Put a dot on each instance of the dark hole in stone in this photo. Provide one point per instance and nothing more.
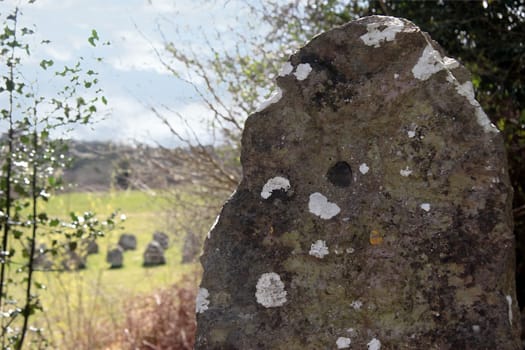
(340, 174)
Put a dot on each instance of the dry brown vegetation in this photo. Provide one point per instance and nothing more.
(162, 320)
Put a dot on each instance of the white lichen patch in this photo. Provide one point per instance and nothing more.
(352, 332)
(202, 302)
(425, 206)
(509, 303)
(320, 206)
(273, 184)
(318, 249)
(429, 63)
(274, 98)
(302, 71)
(375, 36)
(343, 342)
(363, 168)
(411, 134)
(405, 172)
(467, 89)
(357, 304)
(270, 290)
(374, 344)
(450, 63)
(286, 69)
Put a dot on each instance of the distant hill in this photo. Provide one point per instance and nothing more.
(100, 166)
(96, 166)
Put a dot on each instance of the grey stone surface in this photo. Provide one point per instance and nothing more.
(73, 261)
(115, 257)
(191, 248)
(154, 254)
(128, 241)
(162, 238)
(374, 209)
(41, 259)
(90, 246)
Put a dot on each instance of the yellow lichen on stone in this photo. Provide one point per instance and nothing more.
(375, 237)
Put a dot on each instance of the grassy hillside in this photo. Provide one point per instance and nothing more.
(81, 302)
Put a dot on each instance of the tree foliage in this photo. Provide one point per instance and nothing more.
(30, 163)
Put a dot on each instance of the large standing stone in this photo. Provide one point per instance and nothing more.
(374, 210)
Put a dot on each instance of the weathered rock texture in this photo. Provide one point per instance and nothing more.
(115, 257)
(127, 241)
(154, 254)
(374, 210)
(162, 238)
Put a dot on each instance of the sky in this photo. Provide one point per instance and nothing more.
(131, 74)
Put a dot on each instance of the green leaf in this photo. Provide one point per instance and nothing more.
(9, 85)
(42, 216)
(72, 246)
(46, 64)
(40, 285)
(94, 37)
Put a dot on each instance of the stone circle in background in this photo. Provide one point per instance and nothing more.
(154, 254)
(191, 247)
(128, 241)
(90, 246)
(162, 238)
(115, 257)
(374, 210)
(73, 261)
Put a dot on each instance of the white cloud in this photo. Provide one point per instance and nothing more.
(137, 53)
(130, 120)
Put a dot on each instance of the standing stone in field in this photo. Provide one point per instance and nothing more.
(191, 247)
(115, 257)
(374, 210)
(127, 241)
(162, 238)
(41, 259)
(73, 261)
(154, 254)
(90, 246)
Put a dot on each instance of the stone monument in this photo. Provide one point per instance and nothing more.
(374, 210)
(154, 254)
(115, 257)
(162, 238)
(127, 241)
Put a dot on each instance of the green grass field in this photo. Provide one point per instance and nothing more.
(98, 295)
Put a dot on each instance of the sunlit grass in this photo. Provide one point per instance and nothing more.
(96, 295)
